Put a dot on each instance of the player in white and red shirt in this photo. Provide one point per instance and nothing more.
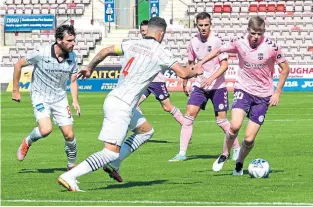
(200, 46)
(158, 87)
(254, 90)
(143, 60)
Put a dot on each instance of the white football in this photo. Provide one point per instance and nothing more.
(259, 168)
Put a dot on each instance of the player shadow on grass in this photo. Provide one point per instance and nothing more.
(158, 141)
(47, 170)
(245, 172)
(132, 184)
(195, 157)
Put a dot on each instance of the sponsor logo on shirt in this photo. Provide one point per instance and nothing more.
(260, 56)
(253, 65)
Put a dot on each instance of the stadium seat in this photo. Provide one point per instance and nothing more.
(35, 2)
(244, 7)
(200, 7)
(45, 9)
(22, 51)
(298, 6)
(28, 9)
(281, 6)
(227, 8)
(209, 7)
(79, 9)
(236, 7)
(13, 51)
(290, 6)
(218, 7)
(307, 6)
(37, 9)
(19, 9)
(11, 9)
(9, 2)
(262, 7)
(253, 7)
(271, 7)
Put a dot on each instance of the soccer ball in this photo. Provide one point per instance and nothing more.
(259, 168)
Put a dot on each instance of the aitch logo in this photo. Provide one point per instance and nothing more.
(24, 85)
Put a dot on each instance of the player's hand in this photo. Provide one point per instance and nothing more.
(274, 99)
(206, 82)
(186, 90)
(16, 96)
(77, 108)
(198, 69)
(84, 73)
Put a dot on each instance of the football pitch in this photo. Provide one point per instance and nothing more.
(285, 141)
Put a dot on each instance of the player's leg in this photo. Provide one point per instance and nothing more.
(256, 117)
(219, 98)
(144, 96)
(62, 116)
(143, 131)
(44, 128)
(117, 116)
(163, 96)
(173, 110)
(197, 100)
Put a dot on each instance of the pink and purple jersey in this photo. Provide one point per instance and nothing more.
(198, 49)
(256, 66)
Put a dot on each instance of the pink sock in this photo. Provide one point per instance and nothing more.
(177, 115)
(225, 125)
(186, 133)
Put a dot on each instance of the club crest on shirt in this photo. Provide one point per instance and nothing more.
(197, 49)
(209, 48)
(260, 56)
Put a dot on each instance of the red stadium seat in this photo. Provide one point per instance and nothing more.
(280, 7)
(310, 48)
(253, 7)
(218, 8)
(227, 8)
(262, 7)
(271, 7)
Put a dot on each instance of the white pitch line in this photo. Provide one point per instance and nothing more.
(163, 202)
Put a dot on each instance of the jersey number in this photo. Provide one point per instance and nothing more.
(127, 66)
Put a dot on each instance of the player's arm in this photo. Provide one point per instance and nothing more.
(114, 50)
(16, 96)
(220, 71)
(279, 58)
(185, 81)
(74, 93)
(185, 72)
(283, 76)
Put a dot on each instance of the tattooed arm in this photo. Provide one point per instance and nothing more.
(85, 72)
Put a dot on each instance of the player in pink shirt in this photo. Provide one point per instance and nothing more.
(201, 45)
(158, 88)
(254, 90)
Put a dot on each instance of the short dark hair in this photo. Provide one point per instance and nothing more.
(144, 22)
(203, 15)
(157, 22)
(63, 29)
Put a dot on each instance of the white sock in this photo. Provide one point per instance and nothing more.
(93, 163)
(183, 153)
(71, 152)
(33, 136)
(132, 143)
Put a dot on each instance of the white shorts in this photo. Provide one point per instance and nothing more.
(118, 118)
(61, 112)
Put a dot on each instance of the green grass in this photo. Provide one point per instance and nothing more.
(285, 140)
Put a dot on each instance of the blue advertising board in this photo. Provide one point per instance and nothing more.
(297, 84)
(95, 85)
(109, 14)
(27, 23)
(154, 8)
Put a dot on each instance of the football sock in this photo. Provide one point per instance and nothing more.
(186, 133)
(71, 152)
(33, 136)
(178, 116)
(130, 145)
(224, 124)
(93, 162)
(244, 150)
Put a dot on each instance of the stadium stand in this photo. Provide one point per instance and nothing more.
(289, 23)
